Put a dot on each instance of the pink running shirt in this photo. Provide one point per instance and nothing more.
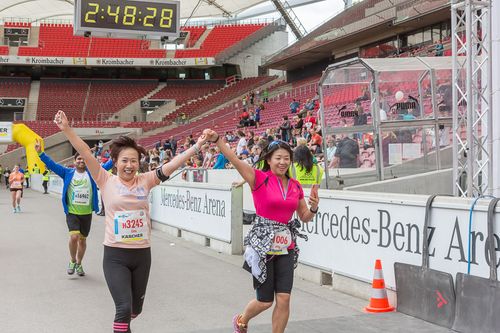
(269, 200)
(119, 197)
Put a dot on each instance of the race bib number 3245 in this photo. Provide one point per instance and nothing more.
(131, 226)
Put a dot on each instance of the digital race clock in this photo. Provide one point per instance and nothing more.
(127, 18)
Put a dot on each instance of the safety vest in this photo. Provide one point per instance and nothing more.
(26, 174)
(45, 177)
(307, 178)
(36, 170)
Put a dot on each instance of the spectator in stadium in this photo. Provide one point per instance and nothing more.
(258, 109)
(315, 142)
(439, 48)
(167, 145)
(309, 121)
(252, 97)
(106, 156)
(285, 129)
(158, 144)
(184, 118)
(6, 175)
(244, 119)
(27, 176)
(250, 139)
(173, 142)
(346, 155)
(100, 145)
(242, 143)
(304, 167)
(409, 115)
(208, 159)
(330, 148)
(265, 96)
(382, 113)
(256, 151)
(298, 123)
(294, 106)
(309, 105)
(251, 118)
(1, 172)
(387, 139)
(220, 160)
(191, 141)
(360, 117)
(365, 96)
(244, 102)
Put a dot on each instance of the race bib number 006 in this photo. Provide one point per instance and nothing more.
(281, 242)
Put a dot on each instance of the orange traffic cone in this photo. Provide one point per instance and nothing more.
(379, 301)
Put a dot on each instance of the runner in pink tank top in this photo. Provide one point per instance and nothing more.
(271, 251)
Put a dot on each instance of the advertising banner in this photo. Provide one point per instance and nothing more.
(352, 230)
(106, 62)
(5, 132)
(205, 210)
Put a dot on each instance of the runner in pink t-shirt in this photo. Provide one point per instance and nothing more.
(127, 255)
(270, 245)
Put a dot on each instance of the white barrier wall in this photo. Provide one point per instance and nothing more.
(352, 229)
(55, 184)
(211, 211)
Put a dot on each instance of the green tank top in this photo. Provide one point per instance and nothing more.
(79, 196)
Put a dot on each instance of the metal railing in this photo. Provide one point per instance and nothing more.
(196, 23)
(211, 23)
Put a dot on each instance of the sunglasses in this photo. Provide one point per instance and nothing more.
(277, 143)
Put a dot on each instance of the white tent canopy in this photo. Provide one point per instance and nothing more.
(38, 10)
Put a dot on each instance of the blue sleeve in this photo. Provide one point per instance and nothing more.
(53, 166)
(108, 165)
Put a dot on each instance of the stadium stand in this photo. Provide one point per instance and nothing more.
(123, 48)
(220, 38)
(105, 97)
(14, 87)
(58, 40)
(222, 96)
(110, 96)
(184, 91)
(17, 25)
(194, 34)
(204, 105)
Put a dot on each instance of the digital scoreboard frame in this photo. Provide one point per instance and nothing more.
(140, 19)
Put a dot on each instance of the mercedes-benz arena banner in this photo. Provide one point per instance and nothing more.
(199, 208)
(5, 132)
(352, 229)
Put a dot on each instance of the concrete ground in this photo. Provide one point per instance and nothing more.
(191, 288)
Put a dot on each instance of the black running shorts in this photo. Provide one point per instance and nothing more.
(279, 277)
(79, 224)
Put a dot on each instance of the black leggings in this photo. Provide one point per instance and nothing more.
(126, 272)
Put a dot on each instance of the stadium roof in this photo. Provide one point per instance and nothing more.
(37, 10)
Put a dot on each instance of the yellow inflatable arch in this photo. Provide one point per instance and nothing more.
(23, 135)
